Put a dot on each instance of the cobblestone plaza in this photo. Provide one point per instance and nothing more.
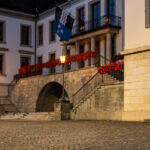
(71, 135)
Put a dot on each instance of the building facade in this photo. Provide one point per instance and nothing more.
(98, 27)
(137, 61)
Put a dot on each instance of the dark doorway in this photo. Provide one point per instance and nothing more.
(49, 95)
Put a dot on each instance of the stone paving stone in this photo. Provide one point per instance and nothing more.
(74, 135)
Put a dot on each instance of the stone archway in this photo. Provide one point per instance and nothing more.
(50, 94)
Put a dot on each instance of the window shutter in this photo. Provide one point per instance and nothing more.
(147, 13)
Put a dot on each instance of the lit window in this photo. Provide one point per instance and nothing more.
(81, 19)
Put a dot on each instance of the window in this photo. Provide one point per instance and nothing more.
(1, 64)
(1, 32)
(25, 35)
(40, 60)
(40, 35)
(147, 13)
(25, 61)
(81, 64)
(96, 15)
(112, 7)
(52, 33)
(81, 19)
(68, 66)
(52, 57)
(113, 46)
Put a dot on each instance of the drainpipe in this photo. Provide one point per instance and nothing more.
(35, 44)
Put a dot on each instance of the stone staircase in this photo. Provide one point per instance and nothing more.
(86, 102)
(47, 116)
(95, 84)
(6, 106)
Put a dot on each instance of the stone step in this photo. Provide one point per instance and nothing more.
(30, 116)
(40, 116)
(11, 116)
(8, 108)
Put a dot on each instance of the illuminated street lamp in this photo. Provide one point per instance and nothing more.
(63, 60)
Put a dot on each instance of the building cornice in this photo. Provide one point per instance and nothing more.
(17, 14)
(136, 50)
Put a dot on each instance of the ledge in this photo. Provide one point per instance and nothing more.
(29, 46)
(3, 75)
(3, 42)
(3, 49)
(136, 50)
(25, 52)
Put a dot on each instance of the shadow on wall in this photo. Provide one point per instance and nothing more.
(48, 96)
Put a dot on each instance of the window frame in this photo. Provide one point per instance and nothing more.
(27, 56)
(52, 34)
(30, 35)
(81, 17)
(3, 31)
(3, 65)
(95, 26)
(40, 44)
(51, 69)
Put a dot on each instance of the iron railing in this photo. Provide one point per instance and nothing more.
(96, 81)
(103, 21)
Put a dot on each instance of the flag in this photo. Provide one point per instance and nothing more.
(63, 24)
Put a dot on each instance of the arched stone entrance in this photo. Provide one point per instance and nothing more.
(49, 95)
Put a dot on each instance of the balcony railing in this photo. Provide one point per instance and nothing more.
(104, 21)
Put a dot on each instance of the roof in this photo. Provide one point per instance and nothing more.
(29, 6)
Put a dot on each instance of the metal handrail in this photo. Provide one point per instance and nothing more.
(98, 79)
(95, 24)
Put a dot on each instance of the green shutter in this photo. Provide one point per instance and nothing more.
(147, 13)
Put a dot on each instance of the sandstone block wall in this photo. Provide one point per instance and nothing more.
(25, 93)
(106, 103)
(137, 86)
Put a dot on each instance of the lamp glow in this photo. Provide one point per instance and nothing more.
(62, 59)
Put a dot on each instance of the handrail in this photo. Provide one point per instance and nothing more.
(85, 26)
(96, 79)
(92, 76)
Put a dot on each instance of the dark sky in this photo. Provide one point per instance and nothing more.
(28, 6)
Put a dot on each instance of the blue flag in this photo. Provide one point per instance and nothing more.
(63, 24)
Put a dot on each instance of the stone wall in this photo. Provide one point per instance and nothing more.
(106, 103)
(137, 85)
(26, 92)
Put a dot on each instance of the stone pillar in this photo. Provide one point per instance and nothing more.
(62, 110)
(102, 51)
(77, 48)
(108, 48)
(87, 49)
(92, 50)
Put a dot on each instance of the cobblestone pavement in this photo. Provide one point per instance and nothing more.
(74, 135)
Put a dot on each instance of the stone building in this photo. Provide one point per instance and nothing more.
(107, 27)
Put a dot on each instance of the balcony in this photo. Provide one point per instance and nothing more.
(99, 23)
